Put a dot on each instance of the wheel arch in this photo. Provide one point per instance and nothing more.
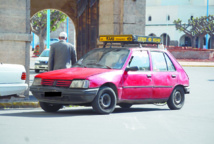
(113, 86)
(180, 85)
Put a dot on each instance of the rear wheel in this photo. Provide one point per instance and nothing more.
(125, 105)
(105, 101)
(177, 98)
(50, 107)
(36, 70)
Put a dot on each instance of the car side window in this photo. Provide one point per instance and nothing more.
(170, 65)
(141, 60)
(158, 61)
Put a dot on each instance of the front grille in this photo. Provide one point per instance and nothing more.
(57, 83)
(47, 82)
(62, 83)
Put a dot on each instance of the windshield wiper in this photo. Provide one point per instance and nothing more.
(99, 65)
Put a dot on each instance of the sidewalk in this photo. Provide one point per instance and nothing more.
(196, 62)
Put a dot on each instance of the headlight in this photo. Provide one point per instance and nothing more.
(37, 81)
(79, 84)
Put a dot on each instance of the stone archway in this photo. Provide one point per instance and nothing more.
(84, 15)
(165, 39)
(66, 6)
(185, 41)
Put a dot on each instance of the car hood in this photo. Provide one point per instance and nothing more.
(72, 73)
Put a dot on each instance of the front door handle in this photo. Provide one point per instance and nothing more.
(149, 75)
(173, 76)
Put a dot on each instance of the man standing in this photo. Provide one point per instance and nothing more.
(62, 54)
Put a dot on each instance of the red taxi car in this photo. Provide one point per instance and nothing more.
(106, 77)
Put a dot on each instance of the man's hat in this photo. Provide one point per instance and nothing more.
(63, 34)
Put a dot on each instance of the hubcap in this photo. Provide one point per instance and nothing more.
(105, 100)
(178, 97)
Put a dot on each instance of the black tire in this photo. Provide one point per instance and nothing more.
(105, 101)
(177, 98)
(50, 107)
(125, 105)
(36, 70)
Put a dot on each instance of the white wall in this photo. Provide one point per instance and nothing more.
(176, 9)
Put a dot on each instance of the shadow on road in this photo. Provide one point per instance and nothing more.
(132, 110)
(76, 112)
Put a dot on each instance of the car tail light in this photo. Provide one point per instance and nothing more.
(23, 77)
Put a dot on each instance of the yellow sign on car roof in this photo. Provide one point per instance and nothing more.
(130, 39)
(117, 38)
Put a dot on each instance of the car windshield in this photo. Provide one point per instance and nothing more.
(110, 58)
(45, 53)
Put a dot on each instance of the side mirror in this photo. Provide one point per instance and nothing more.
(133, 68)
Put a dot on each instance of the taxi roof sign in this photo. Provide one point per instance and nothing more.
(116, 38)
(130, 39)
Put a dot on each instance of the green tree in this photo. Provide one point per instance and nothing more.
(208, 24)
(190, 29)
(39, 24)
(197, 27)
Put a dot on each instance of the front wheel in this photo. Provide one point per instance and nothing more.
(50, 107)
(177, 98)
(105, 101)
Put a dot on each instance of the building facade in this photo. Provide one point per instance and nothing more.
(160, 15)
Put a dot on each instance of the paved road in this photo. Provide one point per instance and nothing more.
(142, 124)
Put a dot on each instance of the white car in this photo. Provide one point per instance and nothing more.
(42, 61)
(12, 79)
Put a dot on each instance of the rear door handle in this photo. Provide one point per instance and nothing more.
(173, 76)
(149, 75)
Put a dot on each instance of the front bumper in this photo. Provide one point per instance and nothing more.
(68, 95)
(10, 89)
(41, 67)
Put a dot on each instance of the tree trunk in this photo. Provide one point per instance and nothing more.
(193, 39)
(201, 40)
(41, 44)
(211, 41)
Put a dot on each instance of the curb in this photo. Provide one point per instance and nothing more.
(13, 102)
(19, 105)
(183, 65)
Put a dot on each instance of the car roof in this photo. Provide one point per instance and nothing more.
(137, 48)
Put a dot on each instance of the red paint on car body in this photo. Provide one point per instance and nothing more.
(131, 85)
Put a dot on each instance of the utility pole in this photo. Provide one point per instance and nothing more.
(207, 20)
(48, 29)
(67, 27)
(33, 42)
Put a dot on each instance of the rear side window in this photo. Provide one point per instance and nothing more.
(170, 66)
(141, 60)
(158, 61)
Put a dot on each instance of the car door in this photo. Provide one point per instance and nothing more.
(164, 75)
(138, 84)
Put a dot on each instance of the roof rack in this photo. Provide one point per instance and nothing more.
(129, 39)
